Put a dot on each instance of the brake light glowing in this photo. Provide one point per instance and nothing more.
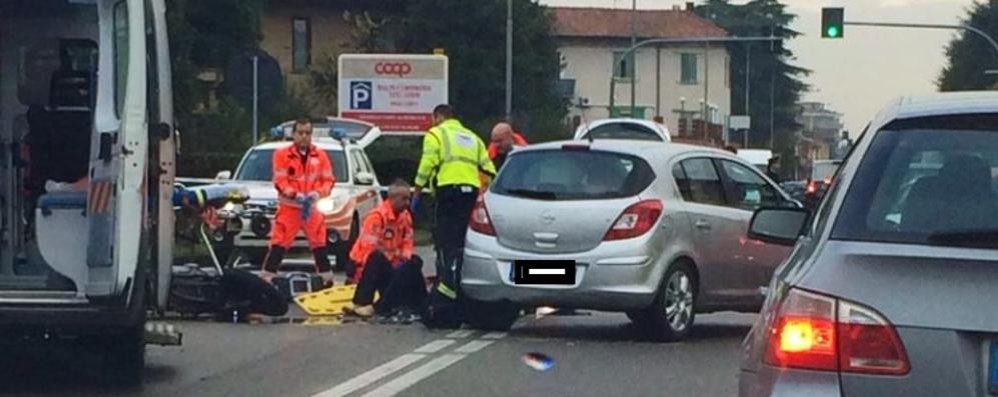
(480, 220)
(804, 334)
(636, 220)
(818, 332)
(812, 187)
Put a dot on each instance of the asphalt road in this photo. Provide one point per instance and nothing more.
(594, 354)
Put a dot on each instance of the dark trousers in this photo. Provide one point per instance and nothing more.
(399, 287)
(453, 212)
(272, 262)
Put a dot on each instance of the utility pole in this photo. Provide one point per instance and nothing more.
(706, 86)
(509, 60)
(658, 81)
(634, 40)
(748, 85)
(256, 99)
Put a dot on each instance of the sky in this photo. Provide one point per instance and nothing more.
(860, 73)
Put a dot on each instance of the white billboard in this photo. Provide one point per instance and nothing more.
(397, 92)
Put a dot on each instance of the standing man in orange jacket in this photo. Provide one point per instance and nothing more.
(302, 175)
(383, 255)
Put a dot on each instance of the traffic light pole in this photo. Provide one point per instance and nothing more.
(967, 28)
(704, 40)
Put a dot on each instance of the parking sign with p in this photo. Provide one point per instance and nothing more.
(360, 95)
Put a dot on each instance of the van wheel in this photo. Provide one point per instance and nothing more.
(491, 316)
(670, 318)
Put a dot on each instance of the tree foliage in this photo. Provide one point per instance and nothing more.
(773, 79)
(970, 55)
(474, 38)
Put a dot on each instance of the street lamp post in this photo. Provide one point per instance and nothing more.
(509, 59)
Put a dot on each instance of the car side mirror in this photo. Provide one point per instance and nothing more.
(782, 226)
(364, 178)
(224, 175)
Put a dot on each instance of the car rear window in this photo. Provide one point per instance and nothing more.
(573, 175)
(623, 131)
(932, 181)
(258, 165)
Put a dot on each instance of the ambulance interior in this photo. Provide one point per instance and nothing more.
(48, 69)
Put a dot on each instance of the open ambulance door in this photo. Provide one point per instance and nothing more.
(164, 133)
(116, 202)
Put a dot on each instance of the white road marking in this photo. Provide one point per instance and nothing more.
(435, 346)
(494, 335)
(416, 375)
(371, 376)
(474, 346)
(559, 272)
(464, 333)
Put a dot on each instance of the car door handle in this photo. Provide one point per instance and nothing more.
(702, 224)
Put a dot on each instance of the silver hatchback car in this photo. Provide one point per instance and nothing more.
(656, 230)
(892, 288)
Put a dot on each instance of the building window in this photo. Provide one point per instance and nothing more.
(301, 44)
(624, 66)
(727, 72)
(688, 69)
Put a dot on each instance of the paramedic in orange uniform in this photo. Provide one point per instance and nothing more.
(385, 261)
(302, 175)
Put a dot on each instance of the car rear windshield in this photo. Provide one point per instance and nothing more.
(623, 131)
(573, 175)
(927, 181)
(258, 165)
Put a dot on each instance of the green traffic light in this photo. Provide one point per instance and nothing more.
(833, 31)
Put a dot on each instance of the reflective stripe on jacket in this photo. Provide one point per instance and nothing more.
(384, 231)
(453, 155)
(294, 173)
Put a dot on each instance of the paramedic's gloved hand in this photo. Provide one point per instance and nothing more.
(306, 205)
(414, 205)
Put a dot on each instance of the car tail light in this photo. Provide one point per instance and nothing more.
(636, 220)
(869, 343)
(828, 181)
(817, 332)
(812, 187)
(480, 220)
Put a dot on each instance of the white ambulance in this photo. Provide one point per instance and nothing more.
(88, 147)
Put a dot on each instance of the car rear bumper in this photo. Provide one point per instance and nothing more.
(613, 277)
(777, 382)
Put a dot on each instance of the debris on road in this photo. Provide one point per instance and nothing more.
(538, 361)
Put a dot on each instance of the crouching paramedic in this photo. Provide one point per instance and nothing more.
(384, 258)
(302, 175)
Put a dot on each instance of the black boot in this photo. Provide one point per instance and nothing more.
(322, 265)
(272, 263)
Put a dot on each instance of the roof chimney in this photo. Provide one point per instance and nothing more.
(689, 6)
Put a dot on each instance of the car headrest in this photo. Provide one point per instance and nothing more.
(966, 174)
(71, 89)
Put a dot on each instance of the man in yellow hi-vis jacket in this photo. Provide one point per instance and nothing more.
(452, 161)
